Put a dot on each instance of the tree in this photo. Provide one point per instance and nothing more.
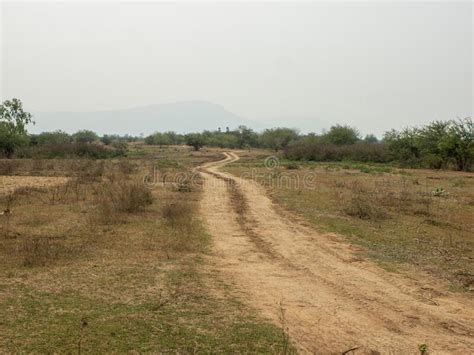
(437, 145)
(106, 139)
(120, 146)
(428, 142)
(278, 138)
(167, 138)
(195, 140)
(403, 146)
(173, 137)
(56, 137)
(370, 138)
(13, 122)
(150, 140)
(227, 141)
(342, 135)
(458, 143)
(85, 136)
(247, 137)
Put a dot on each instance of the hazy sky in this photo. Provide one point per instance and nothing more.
(372, 65)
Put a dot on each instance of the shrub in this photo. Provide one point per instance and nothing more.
(277, 138)
(317, 151)
(437, 145)
(66, 150)
(119, 146)
(177, 213)
(8, 167)
(56, 137)
(362, 204)
(120, 197)
(341, 135)
(129, 197)
(185, 233)
(195, 140)
(40, 251)
(13, 122)
(85, 136)
(439, 192)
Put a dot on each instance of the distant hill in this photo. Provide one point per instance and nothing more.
(182, 117)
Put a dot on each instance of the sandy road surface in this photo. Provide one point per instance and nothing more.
(333, 300)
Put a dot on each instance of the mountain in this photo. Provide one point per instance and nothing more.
(181, 117)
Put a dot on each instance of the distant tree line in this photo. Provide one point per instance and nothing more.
(438, 145)
(83, 143)
(240, 138)
(16, 142)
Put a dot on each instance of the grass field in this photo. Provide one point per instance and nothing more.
(98, 263)
(419, 219)
(112, 255)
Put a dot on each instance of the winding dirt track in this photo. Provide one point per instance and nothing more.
(333, 301)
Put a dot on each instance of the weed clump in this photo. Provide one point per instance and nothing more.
(184, 231)
(113, 198)
(362, 204)
(177, 213)
(38, 251)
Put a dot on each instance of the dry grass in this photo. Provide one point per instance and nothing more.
(138, 284)
(42, 251)
(361, 202)
(112, 198)
(177, 212)
(8, 184)
(398, 216)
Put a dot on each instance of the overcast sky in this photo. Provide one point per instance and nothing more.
(372, 65)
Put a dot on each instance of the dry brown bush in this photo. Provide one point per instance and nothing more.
(39, 251)
(177, 212)
(34, 251)
(89, 170)
(116, 197)
(362, 203)
(8, 167)
(184, 232)
(126, 167)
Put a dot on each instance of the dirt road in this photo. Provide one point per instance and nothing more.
(332, 300)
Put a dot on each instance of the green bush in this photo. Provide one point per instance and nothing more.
(448, 144)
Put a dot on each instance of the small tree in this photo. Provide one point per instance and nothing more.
(370, 138)
(278, 138)
(342, 135)
(52, 138)
(162, 139)
(173, 137)
(106, 139)
(403, 146)
(13, 122)
(458, 143)
(195, 140)
(247, 137)
(150, 140)
(85, 136)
